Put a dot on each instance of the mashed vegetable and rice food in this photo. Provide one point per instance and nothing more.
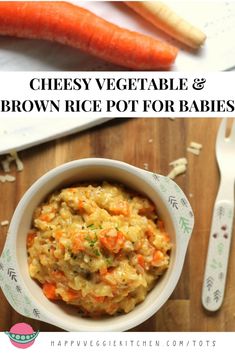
(100, 247)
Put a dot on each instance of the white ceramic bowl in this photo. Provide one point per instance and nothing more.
(25, 295)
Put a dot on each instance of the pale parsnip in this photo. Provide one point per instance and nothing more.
(164, 18)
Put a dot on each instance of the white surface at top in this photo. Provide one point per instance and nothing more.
(215, 19)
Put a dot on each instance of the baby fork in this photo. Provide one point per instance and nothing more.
(222, 222)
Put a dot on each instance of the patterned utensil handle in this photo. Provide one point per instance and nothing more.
(218, 255)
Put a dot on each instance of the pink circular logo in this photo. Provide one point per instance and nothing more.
(22, 335)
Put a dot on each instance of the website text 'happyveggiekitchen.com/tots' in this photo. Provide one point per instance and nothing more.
(135, 343)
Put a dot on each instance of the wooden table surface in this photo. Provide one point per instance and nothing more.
(154, 142)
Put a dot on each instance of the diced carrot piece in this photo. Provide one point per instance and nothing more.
(78, 243)
(141, 260)
(112, 243)
(80, 205)
(30, 239)
(49, 290)
(45, 217)
(62, 247)
(166, 237)
(103, 271)
(149, 233)
(72, 295)
(58, 234)
(157, 257)
(98, 299)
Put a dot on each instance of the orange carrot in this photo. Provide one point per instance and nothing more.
(103, 271)
(62, 247)
(58, 234)
(157, 257)
(46, 217)
(113, 243)
(166, 237)
(30, 238)
(49, 290)
(140, 260)
(149, 233)
(78, 243)
(71, 25)
(80, 205)
(72, 295)
(105, 277)
(98, 299)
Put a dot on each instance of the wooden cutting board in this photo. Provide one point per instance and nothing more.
(151, 143)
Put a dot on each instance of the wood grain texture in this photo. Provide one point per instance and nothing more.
(153, 143)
